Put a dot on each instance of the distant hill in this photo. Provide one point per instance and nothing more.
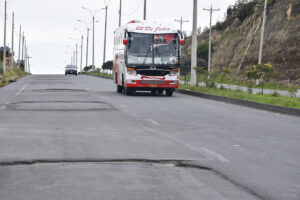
(231, 38)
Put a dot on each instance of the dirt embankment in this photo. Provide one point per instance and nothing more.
(281, 44)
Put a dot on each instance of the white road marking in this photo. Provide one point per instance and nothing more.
(123, 106)
(3, 107)
(213, 155)
(22, 89)
(153, 122)
(209, 154)
(236, 145)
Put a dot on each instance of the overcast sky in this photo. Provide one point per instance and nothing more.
(49, 23)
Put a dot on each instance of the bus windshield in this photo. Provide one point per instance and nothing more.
(149, 49)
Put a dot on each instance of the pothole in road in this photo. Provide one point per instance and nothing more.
(60, 90)
(179, 174)
(60, 106)
(50, 82)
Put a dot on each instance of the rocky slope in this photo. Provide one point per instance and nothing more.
(281, 44)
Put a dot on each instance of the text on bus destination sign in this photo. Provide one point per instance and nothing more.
(152, 29)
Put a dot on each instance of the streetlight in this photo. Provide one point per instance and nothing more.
(87, 41)
(93, 13)
(81, 47)
(76, 49)
(105, 30)
(72, 58)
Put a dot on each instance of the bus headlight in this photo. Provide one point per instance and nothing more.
(173, 73)
(131, 71)
(131, 81)
(173, 82)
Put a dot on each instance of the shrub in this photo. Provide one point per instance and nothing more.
(271, 2)
(292, 89)
(2, 80)
(200, 70)
(1, 71)
(275, 94)
(202, 50)
(242, 9)
(18, 71)
(261, 72)
(220, 26)
(210, 81)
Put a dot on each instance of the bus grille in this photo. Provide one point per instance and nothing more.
(153, 82)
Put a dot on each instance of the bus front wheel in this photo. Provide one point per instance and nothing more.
(127, 91)
(169, 93)
(119, 89)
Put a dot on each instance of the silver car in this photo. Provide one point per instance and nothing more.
(70, 69)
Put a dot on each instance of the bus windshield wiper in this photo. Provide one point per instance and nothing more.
(148, 51)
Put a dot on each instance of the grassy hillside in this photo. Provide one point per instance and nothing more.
(232, 36)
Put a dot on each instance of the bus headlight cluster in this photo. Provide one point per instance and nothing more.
(173, 82)
(131, 81)
(131, 72)
(173, 73)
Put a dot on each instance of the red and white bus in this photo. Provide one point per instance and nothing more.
(147, 58)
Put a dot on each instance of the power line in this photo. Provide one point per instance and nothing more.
(134, 10)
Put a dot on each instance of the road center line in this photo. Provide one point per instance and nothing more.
(213, 154)
(153, 122)
(209, 154)
(123, 106)
(22, 89)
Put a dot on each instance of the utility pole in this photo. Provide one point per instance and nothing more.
(120, 13)
(145, 9)
(23, 41)
(262, 34)
(81, 47)
(19, 56)
(76, 54)
(181, 21)
(12, 42)
(87, 47)
(29, 70)
(4, 46)
(93, 53)
(74, 57)
(25, 57)
(194, 45)
(105, 30)
(211, 10)
(93, 13)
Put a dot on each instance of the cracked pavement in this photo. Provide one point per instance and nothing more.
(76, 138)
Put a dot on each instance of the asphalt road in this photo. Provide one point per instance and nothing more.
(76, 138)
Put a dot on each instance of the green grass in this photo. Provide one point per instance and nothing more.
(234, 81)
(99, 74)
(10, 76)
(290, 102)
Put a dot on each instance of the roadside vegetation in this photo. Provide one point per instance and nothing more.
(273, 99)
(98, 73)
(10, 76)
(261, 72)
(231, 77)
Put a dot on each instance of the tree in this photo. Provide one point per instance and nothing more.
(262, 72)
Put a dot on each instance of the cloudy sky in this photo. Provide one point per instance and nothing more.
(48, 24)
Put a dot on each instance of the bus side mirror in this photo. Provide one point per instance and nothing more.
(182, 42)
(125, 41)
